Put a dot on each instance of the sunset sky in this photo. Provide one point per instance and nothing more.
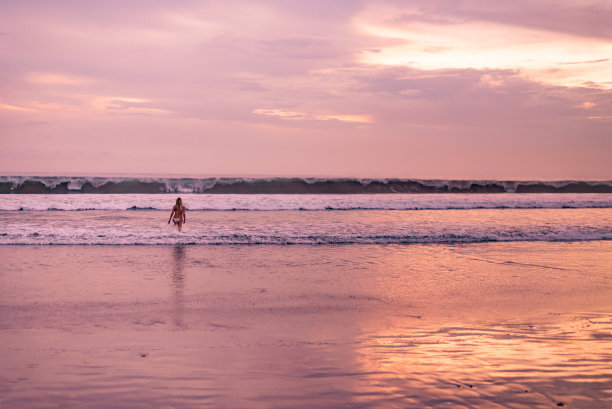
(425, 89)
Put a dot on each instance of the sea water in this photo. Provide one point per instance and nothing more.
(304, 219)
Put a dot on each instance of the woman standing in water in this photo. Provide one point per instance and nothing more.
(178, 214)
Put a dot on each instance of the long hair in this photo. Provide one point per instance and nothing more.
(179, 202)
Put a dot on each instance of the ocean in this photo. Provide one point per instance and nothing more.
(428, 300)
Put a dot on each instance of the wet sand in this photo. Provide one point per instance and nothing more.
(492, 325)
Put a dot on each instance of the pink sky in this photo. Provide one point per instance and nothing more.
(434, 89)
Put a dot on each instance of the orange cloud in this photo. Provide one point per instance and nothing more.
(57, 79)
(129, 105)
(352, 118)
(16, 108)
(540, 55)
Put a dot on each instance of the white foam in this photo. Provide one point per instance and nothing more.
(209, 202)
(118, 227)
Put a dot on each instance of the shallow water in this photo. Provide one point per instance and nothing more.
(306, 227)
(481, 325)
(113, 219)
(233, 202)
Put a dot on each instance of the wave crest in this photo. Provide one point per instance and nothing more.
(101, 185)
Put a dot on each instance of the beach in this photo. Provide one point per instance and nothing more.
(479, 325)
(306, 204)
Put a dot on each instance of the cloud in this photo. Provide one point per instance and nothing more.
(461, 42)
(126, 105)
(9, 107)
(601, 60)
(301, 116)
(56, 79)
(583, 18)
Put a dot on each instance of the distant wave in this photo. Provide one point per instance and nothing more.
(108, 185)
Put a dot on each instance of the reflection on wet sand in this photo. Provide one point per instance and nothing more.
(178, 284)
(518, 365)
(521, 325)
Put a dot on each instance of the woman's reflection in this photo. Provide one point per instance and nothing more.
(178, 284)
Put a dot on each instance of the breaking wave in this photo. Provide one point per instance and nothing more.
(123, 185)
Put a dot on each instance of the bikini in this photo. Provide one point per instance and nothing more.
(177, 219)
